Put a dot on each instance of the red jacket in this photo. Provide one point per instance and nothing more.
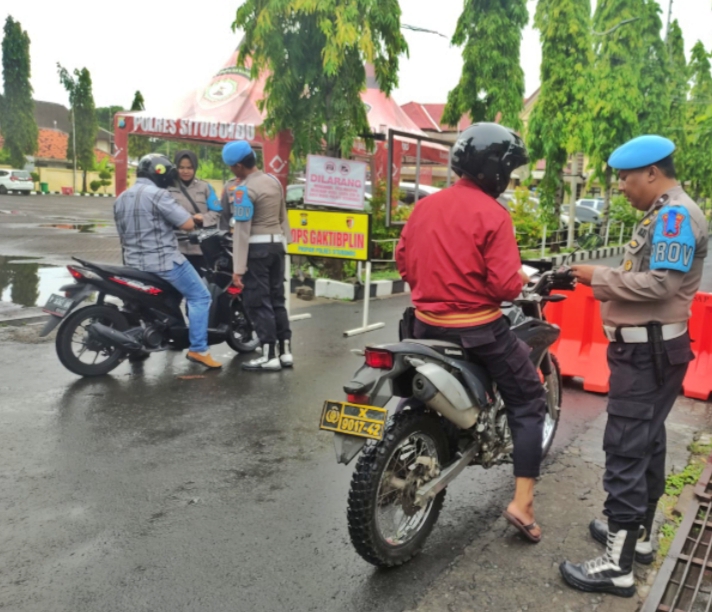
(459, 255)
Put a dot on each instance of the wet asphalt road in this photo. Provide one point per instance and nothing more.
(145, 491)
(142, 491)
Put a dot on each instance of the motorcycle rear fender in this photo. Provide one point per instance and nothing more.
(539, 335)
(347, 447)
(80, 292)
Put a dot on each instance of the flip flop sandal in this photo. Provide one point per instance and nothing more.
(525, 530)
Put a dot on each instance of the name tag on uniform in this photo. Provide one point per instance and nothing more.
(242, 207)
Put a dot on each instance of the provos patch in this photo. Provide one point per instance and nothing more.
(239, 197)
(673, 240)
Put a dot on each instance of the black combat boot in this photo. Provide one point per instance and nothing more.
(644, 553)
(268, 362)
(611, 573)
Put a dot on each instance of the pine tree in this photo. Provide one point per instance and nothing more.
(83, 112)
(17, 118)
(138, 145)
(557, 123)
(699, 124)
(492, 79)
(678, 85)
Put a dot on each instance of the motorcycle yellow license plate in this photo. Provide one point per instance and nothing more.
(353, 419)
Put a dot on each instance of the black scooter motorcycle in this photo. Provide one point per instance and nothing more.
(95, 339)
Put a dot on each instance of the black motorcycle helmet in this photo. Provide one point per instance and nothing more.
(158, 169)
(486, 153)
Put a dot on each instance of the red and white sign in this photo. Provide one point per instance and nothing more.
(340, 183)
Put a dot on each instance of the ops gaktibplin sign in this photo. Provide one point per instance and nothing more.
(340, 183)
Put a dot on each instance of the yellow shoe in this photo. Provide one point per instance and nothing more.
(205, 360)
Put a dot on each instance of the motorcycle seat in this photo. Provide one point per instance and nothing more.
(434, 343)
(133, 273)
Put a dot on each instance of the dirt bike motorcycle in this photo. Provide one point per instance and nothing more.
(419, 412)
(95, 339)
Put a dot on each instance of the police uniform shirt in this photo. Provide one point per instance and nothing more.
(662, 267)
(258, 207)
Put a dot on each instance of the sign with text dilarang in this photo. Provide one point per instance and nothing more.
(338, 183)
(338, 235)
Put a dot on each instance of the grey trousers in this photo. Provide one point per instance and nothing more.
(634, 439)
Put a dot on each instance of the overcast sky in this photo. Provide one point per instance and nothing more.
(166, 53)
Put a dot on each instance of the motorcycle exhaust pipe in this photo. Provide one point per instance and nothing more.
(441, 391)
(113, 337)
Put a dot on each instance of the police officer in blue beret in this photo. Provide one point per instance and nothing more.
(256, 202)
(645, 307)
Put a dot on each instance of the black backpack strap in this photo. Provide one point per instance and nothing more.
(187, 195)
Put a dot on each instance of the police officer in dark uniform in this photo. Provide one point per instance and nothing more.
(645, 307)
(256, 201)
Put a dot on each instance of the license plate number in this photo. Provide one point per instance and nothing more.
(353, 419)
(58, 305)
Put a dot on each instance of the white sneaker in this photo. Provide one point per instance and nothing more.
(285, 357)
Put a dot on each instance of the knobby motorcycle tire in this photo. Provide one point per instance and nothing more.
(237, 314)
(63, 344)
(364, 489)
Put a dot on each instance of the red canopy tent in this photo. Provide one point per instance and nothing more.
(226, 109)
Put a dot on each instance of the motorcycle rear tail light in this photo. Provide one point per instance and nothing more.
(379, 359)
(233, 291)
(357, 398)
(134, 284)
(75, 273)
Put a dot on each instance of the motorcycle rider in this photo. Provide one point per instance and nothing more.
(459, 255)
(146, 218)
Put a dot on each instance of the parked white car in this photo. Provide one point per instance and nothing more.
(18, 181)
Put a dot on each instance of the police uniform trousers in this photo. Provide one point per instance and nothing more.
(506, 358)
(634, 439)
(263, 295)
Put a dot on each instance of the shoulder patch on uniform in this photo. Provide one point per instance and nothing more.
(242, 207)
(213, 200)
(673, 240)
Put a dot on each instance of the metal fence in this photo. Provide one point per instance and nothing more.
(551, 243)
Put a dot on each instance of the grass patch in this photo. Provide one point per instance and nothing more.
(675, 483)
(385, 275)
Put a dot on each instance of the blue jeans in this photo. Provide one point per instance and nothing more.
(184, 278)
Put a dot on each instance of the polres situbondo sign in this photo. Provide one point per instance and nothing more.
(340, 183)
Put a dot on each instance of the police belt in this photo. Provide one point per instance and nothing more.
(639, 335)
(266, 238)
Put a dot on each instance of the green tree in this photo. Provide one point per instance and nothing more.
(655, 74)
(492, 79)
(25, 288)
(679, 86)
(17, 109)
(699, 124)
(557, 123)
(105, 116)
(83, 113)
(313, 53)
(138, 145)
(615, 98)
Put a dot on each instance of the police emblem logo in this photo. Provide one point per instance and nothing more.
(350, 222)
(672, 222)
(628, 266)
(303, 218)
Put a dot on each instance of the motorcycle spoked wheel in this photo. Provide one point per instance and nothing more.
(385, 525)
(79, 353)
(552, 385)
(241, 329)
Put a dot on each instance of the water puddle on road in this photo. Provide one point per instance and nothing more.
(26, 282)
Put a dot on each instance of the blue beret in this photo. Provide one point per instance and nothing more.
(640, 152)
(234, 152)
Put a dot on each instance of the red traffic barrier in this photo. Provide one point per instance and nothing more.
(698, 381)
(581, 347)
(67, 190)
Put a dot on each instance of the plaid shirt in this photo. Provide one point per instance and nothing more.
(146, 218)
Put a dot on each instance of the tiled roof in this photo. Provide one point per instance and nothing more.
(52, 144)
(429, 117)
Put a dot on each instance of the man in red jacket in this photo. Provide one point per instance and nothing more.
(459, 255)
